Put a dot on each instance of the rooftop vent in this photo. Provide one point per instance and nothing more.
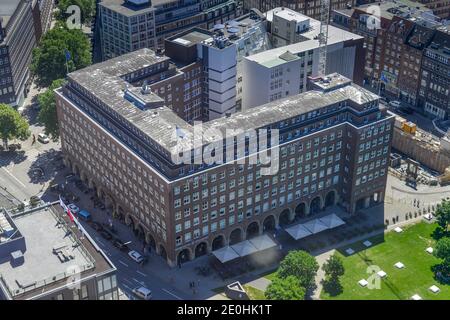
(138, 2)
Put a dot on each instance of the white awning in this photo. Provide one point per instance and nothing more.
(263, 242)
(298, 232)
(225, 254)
(332, 221)
(244, 248)
(315, 226)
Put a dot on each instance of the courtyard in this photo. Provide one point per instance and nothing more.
(414, 278)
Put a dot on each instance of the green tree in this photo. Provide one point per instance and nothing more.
(47, 114)
(334, 268)
(12, 125)
(442, 214)
(301, 265)
(443, 252)
(443, 249)
(285, 289)
(49, 58)
(87, 8)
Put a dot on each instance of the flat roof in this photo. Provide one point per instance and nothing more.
(127, 9)
(290, 15)
(42, 233)
(335, 35)
(160, 124)
(7, 9)
(192, 37)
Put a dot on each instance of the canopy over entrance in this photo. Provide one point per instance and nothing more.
(298, 231)
(315, 226)
(332, 221)
(262, 242)
(244, 248)
(225, 254)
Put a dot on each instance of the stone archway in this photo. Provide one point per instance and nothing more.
(139, 232)
(330, 199)
(285, 217)
(235, 236)
(184, 256)
(316, 205)
(150, 240)
(76, 170)
(162, 252)
(301, 210)
(269, 223)
(252, 230)
(129, 221)
(120, 213)
(218, 242)
(201, 249)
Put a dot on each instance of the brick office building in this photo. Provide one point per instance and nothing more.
(334, 149)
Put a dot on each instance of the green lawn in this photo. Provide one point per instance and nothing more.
(254, 294)
(407, 247)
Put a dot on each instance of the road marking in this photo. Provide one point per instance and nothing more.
(128, 281)
(141, 273)
(173, 295)
(120, 261)
(126, 286)
(14, 177)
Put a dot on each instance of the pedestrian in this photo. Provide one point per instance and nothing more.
(198, 282)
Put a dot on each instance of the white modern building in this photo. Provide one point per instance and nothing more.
(275, 73)
(219, 61)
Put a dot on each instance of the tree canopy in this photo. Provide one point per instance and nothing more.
(87, 8)
(333, 267)
(301, 265)
(47, 113)
(12, 125)
(49, 58)
(285, 289)
(443, 215)
(443, 249)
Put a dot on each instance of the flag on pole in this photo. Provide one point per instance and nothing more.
(62, 204)
(70, 215)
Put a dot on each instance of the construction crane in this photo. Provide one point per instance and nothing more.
(323, 36)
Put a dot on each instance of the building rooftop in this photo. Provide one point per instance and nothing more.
(7, 9)
(127, 8)
(335, 35)
(44, 230)
(161, 124)
(287, 14)
(407, 9)
(192, 37)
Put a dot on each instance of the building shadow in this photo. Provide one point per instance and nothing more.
(46, 166)
(12, 157)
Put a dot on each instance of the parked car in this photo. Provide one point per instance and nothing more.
(43, 138)
(142, 292)
(73, 208)
(394, 104)
(106, 235)
(84, 215)
(406, 110)
(136, 256)
(120, 245)
(96, 226)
